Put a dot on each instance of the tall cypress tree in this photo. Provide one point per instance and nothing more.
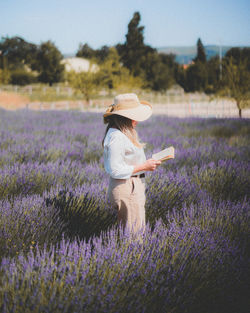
(133, 49)
(143, 60)
(201, 54)
(197, 76)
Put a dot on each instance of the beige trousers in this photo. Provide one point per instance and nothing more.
(127, 196)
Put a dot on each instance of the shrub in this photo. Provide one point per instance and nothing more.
(22, 78)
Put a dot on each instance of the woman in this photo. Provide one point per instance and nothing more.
(125, 161)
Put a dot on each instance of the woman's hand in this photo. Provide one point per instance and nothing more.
(151, 164)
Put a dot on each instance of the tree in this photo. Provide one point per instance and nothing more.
(102, 54)
(111, 69)
(115, 76)
(85, 51)
(159, 73)
(237, 82)
(17, 57)
(16, 53)
(239, 55)
(196, 75)
(201, 54)
(213, 75)
(144, 61)
(165, 76)
(98, 56)
(88, 83)
(133, 50)
(48, 63)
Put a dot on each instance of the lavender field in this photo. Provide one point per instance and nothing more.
(61, 249)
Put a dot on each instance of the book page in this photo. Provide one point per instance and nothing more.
(165, 154)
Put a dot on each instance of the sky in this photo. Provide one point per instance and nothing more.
(167, 23)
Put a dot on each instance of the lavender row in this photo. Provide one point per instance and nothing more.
(58, 200)
(180, 268)
(49, 136)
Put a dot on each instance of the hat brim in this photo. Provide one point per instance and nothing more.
(139, 114)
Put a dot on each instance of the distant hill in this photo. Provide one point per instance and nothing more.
(69, 55)
(184, 55)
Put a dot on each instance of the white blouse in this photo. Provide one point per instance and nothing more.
(120, 155)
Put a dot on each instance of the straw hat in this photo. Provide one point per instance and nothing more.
(128, 105)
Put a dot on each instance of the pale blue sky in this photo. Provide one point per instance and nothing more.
(98, 23)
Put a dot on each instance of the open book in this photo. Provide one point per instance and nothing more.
(164, 155)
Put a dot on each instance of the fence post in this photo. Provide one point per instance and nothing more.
(69, 91)
(80, 105)
(190, 108)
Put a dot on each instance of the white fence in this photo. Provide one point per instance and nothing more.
(215, 109)
(174, 103)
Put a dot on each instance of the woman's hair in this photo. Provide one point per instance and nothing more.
(124, 124)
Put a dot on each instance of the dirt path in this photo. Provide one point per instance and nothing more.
(12, 101)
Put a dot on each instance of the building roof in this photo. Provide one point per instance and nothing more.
(79, 65)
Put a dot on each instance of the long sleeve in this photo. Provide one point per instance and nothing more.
(114, 158)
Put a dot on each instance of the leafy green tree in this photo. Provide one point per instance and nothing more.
(196, 77)
(16, 53)
(239, 55)
(17, 57)
(166, 73)
(213, 75)
(245, 55)
(48, 63)
(85, 51)
(111, 69)
(236, 77)
(236, 82)
(159, 71)
(115, 76)
(102, 54)
(88, 83)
